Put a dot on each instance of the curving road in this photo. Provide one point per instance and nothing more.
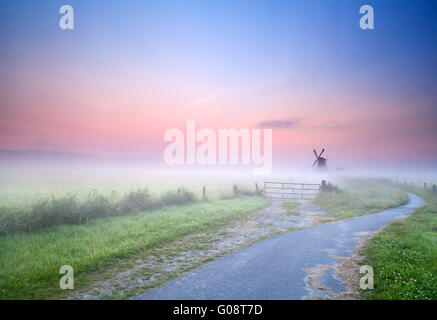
(275, 268)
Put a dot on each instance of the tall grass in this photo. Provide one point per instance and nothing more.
(29, 263)
(358, 197)
(70, 210)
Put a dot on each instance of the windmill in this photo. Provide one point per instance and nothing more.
(320, 161)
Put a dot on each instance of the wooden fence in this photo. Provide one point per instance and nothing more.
(427, 186)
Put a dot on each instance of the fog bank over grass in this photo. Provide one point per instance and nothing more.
(26, 175)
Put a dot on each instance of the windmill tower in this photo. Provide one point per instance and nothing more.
(320, 161)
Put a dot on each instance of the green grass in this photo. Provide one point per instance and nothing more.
(290, 206)
(29, 263)
(23, 186)
(359, 197)
(68, 209)
(404, 256)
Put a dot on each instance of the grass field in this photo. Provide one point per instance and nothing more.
(358, 197)
(404, 255)
(29, 263)
(32, 253)
(20, 187)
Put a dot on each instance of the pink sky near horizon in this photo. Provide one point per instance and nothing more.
(115, 117)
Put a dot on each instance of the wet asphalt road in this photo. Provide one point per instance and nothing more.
(275, 268)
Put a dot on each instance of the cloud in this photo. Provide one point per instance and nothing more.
(278, 124)
(330, 125)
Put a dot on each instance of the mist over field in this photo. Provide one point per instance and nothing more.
(27, 175)
(47, 197)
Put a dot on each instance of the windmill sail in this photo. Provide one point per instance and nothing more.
(320, 161)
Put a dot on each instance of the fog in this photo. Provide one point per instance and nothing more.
(26, 175)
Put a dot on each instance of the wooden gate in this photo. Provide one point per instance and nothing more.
(289, 190)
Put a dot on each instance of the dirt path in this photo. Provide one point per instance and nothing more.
(303, 264)
(159, 265)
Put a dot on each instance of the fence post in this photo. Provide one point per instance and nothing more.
(204, 193)
(235, 189)
(434, 189)
(323, 184)
(424, 185)
(256, 187)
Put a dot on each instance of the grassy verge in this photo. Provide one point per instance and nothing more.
(290, 206)
(69, 209)
(359, 197)
(30, 263)
(404, 256)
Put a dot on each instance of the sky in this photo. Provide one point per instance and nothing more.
(130, 70)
